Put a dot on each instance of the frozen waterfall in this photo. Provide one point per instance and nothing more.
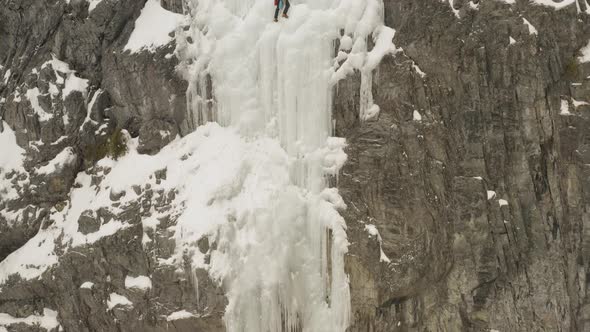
(279, 239)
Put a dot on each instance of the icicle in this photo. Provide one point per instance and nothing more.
(195, 281)
(366, 101)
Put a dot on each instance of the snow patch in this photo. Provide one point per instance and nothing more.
(491, 194)
(116, 300)
(65, 158)
(93, 100)
(578, 103)
(416, 116)
(11, 159)
(564, 108)
(555, 4)
(372, 230)
(503, 202)
(12, 155)
(57, 65)
(139, 282)
(452, 5)
(32, 259)
(74, 83)
(371, 113)
(32, 96)
(53, 90)
(92, 5)
(152, 28)
(7, 76)
(48, 320)
(418, 70)
(532, 29)
(87, 285)
(182, 314)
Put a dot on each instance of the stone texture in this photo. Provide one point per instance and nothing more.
(144, 87)
(154, 135)
(490, 122)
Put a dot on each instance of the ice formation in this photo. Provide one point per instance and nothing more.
(280, 241)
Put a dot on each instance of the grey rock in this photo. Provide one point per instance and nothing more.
(116, 195)
(144, 86)
(172, 5)
(154, 135)
(88, 223)
(490, 122)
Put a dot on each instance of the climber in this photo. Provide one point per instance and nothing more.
(279, 4)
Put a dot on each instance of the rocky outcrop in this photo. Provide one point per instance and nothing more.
(144, 87)
(89, 279)
(154, 135)
(79, 104)
(474, 174)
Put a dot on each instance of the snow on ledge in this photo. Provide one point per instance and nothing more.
(578, 103)
(75, 83)
(491, 194)
(87, 285)
(152, 28)
(371, 113)
(418, 70)
(12, 155)
(118, 300)
(554, 4)
(64, 158)
(92, 5)
(139, 282)
(32, 259)
(565, 108)
(72, 82)
(32, 96)
(416, 116)
(373, 231)
(532, 29)
(182, 314)
(47, 321)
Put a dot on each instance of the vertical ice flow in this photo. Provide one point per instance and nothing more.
(280, 252)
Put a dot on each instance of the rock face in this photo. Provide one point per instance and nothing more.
(474, 174)
(467, 195)
(79, 104)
